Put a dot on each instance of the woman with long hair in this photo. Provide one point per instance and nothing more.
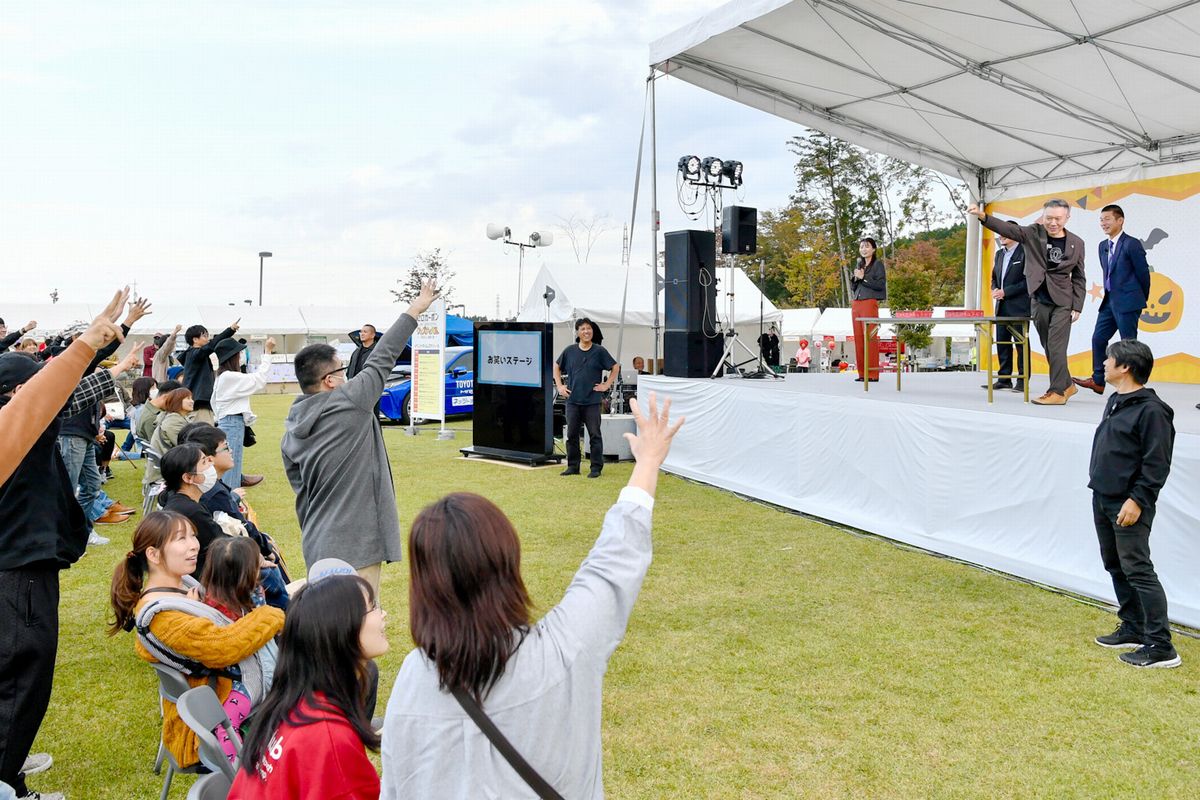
(478, 646)
(868, 287)
(231, 395)
(152, 594)
(309, 736)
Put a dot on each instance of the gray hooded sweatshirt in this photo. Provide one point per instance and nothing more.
(335, 459)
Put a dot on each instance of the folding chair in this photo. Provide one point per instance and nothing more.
(215, 786)
(171, 685)
(201, 710)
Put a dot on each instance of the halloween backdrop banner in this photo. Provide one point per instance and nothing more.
(1163, 213)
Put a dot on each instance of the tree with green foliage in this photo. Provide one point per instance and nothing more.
(910, 288)
(802, 266)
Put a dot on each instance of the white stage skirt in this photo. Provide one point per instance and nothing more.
(1002, 486)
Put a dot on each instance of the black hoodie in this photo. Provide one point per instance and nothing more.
(1131, 451)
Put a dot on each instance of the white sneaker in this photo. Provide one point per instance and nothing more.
(37, 762)
(96, 538)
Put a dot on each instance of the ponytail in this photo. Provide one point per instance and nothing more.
(129, 578)
(127, 581)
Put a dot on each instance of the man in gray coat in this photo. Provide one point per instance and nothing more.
(334, 455)
(1054, 278)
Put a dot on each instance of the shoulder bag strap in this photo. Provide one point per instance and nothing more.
(527, 773)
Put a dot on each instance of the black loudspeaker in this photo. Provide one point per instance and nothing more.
(739, 230)
(690, 355)
(690, 286)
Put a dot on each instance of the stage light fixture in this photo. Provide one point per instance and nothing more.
(712, 166)
(690, 166)
(541, 238)
(733, 171)
(495, 231)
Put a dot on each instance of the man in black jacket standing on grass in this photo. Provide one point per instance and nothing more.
(199, 373)
(1131, 458)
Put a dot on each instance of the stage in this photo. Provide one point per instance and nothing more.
(934, 465)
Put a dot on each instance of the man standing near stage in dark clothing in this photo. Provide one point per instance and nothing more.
(364, 342)
(584, 364)
(1054, 276)
(1131, 458)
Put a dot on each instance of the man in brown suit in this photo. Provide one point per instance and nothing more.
(1054, 277)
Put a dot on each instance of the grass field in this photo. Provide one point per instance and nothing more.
(769, 656)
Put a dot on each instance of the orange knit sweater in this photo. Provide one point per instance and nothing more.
(213, 645)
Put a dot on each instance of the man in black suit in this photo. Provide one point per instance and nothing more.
(1126, 288)
(1011, 294)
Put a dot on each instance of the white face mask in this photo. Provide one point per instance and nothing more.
(210, 479)
(153, 392)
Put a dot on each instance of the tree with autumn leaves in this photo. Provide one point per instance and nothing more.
(844, 193)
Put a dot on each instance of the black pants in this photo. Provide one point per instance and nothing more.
(1004, 353)
(104, 452)
(28, 644)
(1142, 603)
(577, 417)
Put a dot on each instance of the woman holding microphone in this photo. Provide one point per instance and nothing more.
(868, 286)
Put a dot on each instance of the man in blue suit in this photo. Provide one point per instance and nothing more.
(1011, 294)
(1126, 287)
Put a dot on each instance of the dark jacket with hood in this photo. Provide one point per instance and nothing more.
(1131, 451)
(199, 374)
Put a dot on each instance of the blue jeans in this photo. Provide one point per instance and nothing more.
(79, 456)
(234, 426)
(100, 505)
(273, 587)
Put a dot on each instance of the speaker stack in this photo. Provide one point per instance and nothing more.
(739, 230)
(692, 343)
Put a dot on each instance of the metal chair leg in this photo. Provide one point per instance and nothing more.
(166, 790)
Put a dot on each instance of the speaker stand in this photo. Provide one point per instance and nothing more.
(727, 364)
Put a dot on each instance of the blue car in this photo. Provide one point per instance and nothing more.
(395, 401)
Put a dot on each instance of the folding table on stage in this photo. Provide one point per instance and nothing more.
(983, 325)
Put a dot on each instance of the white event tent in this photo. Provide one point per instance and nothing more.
(1015, 99)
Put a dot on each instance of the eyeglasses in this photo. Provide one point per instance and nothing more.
(224, 449)
(335, 372)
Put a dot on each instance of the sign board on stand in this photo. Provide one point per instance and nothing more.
(427, 398)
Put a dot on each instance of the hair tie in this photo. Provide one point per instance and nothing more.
(131, 556)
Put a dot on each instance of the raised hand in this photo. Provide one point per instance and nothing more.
(652, 441)
(103, 328)
(137, 310)
(270, 344)
(237, 323)
(421, 302)
(974, 209)
(29, 326)
(132, 359)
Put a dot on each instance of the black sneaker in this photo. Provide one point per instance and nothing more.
(1019, 386)
(595, 473)
(1123, 637)
(1148, 657)
(998, 385)
(569, 471)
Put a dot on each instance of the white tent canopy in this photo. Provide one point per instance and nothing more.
(340, 320)
(999, 93)
(798, 323)
(836, 322)
(586, 290)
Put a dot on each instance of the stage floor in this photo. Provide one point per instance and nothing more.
(963, 390)
(1001, 485)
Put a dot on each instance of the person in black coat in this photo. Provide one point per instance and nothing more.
(1011, 294)
(1131, 459)
(364, 342)
(199, 373)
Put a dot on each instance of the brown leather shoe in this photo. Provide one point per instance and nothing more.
(1088, 383)
(112, 517)
(1070, 392)
(251, 480)
(1050, 399)
(121, 508)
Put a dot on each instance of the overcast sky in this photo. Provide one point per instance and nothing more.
(167, 143)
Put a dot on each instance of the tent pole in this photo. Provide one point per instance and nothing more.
(654, 222)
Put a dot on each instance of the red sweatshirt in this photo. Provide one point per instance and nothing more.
(321, 761)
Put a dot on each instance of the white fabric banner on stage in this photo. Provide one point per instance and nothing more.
(1006, 491)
